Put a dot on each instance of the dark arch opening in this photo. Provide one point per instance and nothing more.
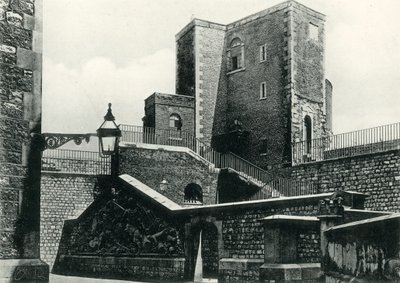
(193, 193)
(308, 134)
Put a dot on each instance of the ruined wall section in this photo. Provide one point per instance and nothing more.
(306, 54)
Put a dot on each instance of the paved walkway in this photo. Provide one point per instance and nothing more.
(71, 279)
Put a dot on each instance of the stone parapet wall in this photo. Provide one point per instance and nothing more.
(178, 168)
(63, 196)
(171, 269)
(243, 232)
(377, 175)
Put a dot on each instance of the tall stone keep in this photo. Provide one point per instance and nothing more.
(258, 83)
(20, 142)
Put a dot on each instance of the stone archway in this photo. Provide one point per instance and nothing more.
(210, 248)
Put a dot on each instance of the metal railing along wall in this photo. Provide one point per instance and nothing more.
(277, 186)
(364, 141)
(75, 161)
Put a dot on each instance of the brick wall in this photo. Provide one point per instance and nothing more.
(151, 166)
(377, 175)
(63, 196)
(20, 116)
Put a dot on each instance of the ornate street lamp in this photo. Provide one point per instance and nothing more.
(108, 134)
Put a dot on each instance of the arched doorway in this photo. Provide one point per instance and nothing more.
(193, 194)
(308, 133)
(210, 238)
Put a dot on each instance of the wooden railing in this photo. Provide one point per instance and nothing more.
(359, 142)
(276, 186)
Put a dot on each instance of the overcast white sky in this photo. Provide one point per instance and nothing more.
(96, 51)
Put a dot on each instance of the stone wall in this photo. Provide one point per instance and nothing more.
(363, 251)
(209, 50)
(20, 121)
(63, 196)
(307, 64)
(167, 104)
(185, 61)
(153, 165)
(377, 175)
(265, 119)
(243, 240)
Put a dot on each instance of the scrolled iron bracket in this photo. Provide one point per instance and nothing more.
(55, 140)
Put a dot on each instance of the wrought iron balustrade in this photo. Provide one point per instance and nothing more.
(75, 161)
(359, 142)
(278, 186)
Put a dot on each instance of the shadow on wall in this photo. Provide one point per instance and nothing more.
(231, 187)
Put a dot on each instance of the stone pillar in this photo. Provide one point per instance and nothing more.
(20, 142)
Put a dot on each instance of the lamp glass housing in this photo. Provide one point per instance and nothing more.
(108, 134)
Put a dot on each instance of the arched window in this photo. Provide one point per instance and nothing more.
(175, 122)
(193, 193)
(236, 54)
(308, 133)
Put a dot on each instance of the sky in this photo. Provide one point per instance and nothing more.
(121, 51)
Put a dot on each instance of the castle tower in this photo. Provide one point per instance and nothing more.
(199, 53)
(258, 83)
(20, 142)
(274, 84)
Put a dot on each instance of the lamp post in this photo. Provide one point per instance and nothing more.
(109, 134)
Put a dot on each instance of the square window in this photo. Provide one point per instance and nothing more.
(263, 53)
(263, 90)
(313, 31)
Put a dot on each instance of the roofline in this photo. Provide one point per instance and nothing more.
(271, 10)
(199, 22)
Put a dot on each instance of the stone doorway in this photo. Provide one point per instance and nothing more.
(209, 248)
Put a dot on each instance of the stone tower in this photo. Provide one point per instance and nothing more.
(258, 83)
(20, 142)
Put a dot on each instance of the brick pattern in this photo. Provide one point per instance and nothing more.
(62, 196)
(20, 111)
(179, 169)
(377, 175)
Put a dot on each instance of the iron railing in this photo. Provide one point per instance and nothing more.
(359, 142)
(75, 161)
(277, 186)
